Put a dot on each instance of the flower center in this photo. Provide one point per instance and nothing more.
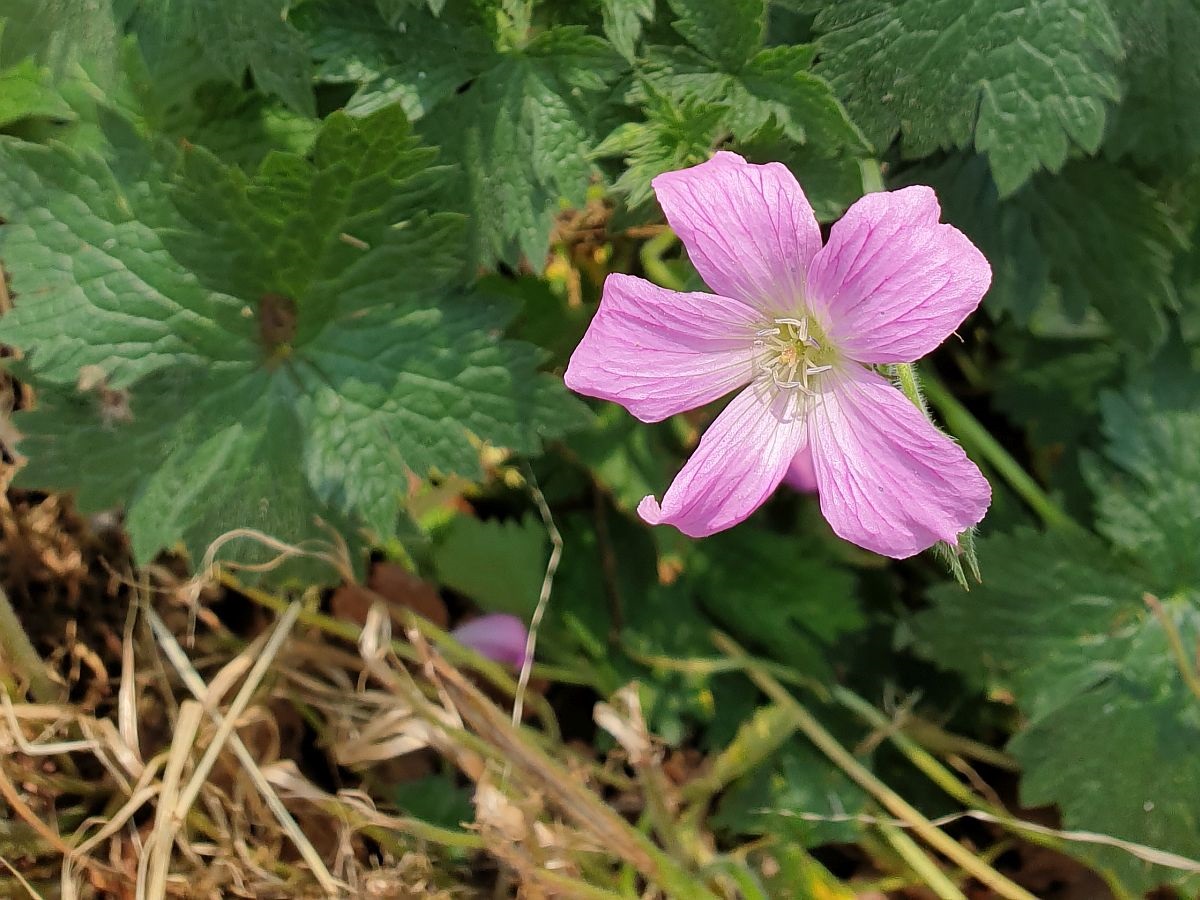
(792, 353)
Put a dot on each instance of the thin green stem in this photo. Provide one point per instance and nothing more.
(919, 861)
(979, 442)
(652, 260)
(19, 650)
(866, 779)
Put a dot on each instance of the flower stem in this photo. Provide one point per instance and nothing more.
(979, 440)
(19, 650)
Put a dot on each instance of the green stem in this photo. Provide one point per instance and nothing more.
(867, 780)
(652, 260)
(16, 646)
(979, 441)
(916, 858)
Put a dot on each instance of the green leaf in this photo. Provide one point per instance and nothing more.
(417, 60)
(1060, 621)
(25, 93)
(777, 594)
(498, 564)
(772, 89)
(675, 135)
(307, 320)
(1111, 244)
(523, 133)
(728, 33)
(231, 37)
(797, 782)
(1158, 123)
(1146, 500)
(519, 114)
(62, 34)
(627, 457)
(1027, 83)
(1093, 238)
(623, 22)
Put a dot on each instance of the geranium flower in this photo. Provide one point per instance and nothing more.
(797, 328)
(498, 636)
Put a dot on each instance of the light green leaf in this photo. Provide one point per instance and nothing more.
(1027, 83)
(25, 93)
(497, 564)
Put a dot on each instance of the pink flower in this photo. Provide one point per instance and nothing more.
(498, 636)
(795, 328)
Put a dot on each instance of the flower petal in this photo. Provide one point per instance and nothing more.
(497, 636)
(892, 283)
(748, 229)
(740, 460)
(888, 479)
(660, 352)
(801, 475)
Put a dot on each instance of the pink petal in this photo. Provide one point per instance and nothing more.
(740, 461)
(497, 636)
(888, 479)
(801, 475)
(660, 352)
(749, 230)
(892, 283)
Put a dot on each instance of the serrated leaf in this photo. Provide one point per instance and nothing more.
(1061, 621)
(1146, 500)
(1111, 244)
(231, 36)
(317, 293)
(1158, 123)
(523, 132)
(498, 564)
(728, 33)
(414, 59)
(1096, 234)
(25, 93)
(773, 88)
(674, 136)
(1024, 82)
(623, 21)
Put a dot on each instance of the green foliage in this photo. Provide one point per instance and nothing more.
(497, 564)
(304, 311)
(305, 267)
(224, 39)
(25, 93)
(1093, 240)
(1026, 83)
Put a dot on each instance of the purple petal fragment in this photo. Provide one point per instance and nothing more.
(498, 636)
(749, 230)
(893, 283)
(660, 352)
(801, 476)
(740, 461)
(888, 480)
